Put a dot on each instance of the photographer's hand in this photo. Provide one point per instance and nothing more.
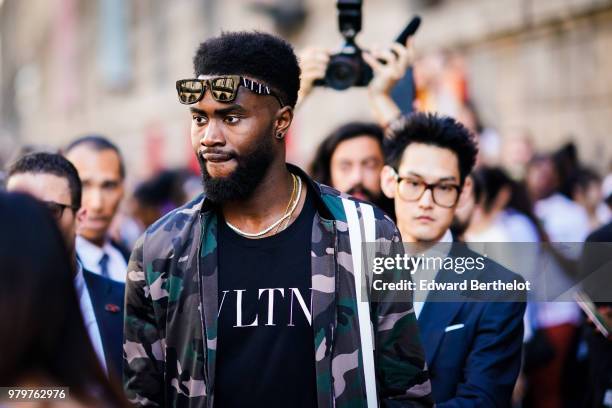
(313, 63)
(396, 62)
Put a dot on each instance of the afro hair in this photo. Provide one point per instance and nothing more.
(254, 54)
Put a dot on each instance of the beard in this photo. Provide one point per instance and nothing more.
(380, 200)
(243, 181)
(360, 190)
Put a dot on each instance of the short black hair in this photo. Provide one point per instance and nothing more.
(254, 54)
(435, 130)
(50, 163)
(320, 168)
(98, 143)
(488, 182)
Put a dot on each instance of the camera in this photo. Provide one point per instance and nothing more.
(347, 68)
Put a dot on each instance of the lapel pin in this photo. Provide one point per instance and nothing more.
(110, 307)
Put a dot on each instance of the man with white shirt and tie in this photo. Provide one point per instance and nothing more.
(102, 173)
(53, 180)
(473, 349)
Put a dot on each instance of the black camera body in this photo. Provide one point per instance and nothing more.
(347, 67)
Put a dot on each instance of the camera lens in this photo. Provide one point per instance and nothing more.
(342, 72)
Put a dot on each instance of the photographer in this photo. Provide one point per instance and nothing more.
(388, 67)
(351, 157)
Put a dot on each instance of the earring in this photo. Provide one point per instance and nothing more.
(279, 135)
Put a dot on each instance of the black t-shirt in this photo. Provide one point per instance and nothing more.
(265, 343)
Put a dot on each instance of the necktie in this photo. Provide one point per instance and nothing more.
(104, 265)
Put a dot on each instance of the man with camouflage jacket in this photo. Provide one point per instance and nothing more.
(250, 294)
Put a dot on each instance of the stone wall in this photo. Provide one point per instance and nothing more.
(544, 65)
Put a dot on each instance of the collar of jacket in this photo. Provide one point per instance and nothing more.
(324, 267)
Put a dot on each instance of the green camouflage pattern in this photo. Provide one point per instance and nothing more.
(172, 305)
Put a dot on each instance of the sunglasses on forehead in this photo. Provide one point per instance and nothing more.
(223, 89)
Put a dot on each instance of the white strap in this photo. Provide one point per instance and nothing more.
(369, 227)
(363, 308)
(367, 215)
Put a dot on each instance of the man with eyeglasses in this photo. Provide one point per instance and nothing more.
(473, 349)
(247, 295)
(54, 181)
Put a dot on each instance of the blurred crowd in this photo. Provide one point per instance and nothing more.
(514, 194)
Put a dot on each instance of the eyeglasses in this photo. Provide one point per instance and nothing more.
(412, 189)
(223, 89)
(56, 209)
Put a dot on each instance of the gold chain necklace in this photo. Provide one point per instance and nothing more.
(280, 226)
(278, 222)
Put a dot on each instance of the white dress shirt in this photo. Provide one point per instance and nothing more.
(418, 305)
(90, 255)
(565, 222)
(89, 317)
(562, 219)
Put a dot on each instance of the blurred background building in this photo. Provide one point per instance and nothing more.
(70, 67)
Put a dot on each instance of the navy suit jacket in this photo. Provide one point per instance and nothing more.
(476, 362)
(107, 297)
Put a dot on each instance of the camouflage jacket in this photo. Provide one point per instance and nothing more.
(172, 302)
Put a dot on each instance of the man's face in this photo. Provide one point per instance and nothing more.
(355, 167)
(48, 187)
(423, 220)
(235, 143)
(541, 179)
(100, 173)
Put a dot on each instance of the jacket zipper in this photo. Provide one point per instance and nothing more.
(200, 306)
(333, 330)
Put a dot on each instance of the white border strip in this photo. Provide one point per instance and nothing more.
(367, 214)
(363, 308)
